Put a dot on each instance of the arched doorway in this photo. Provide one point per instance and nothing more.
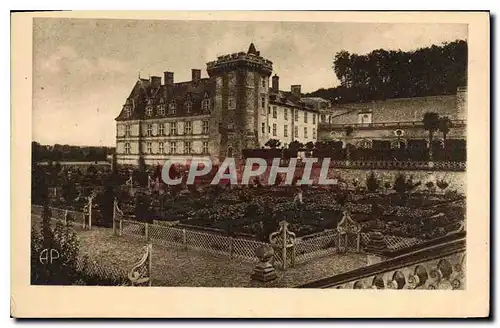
(399, 151)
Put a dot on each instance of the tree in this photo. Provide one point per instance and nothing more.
(114, 164)
(342, 67)
(431, 124)
(273, 143)
(295, 145)
(444, 127)
(380, 74)
(60, 240)
(309, 145)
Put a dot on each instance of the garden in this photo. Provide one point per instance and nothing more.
(402, 207)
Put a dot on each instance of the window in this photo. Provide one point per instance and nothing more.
(161, 148)
(296, 132)
(231, 104)
(314, 133)
(204, 147)
(323, 118)
(205, 127)
(171, 107)
(128, 112)
(127, 130)
(187, 147)
(205, 105)
(305, 117)
(285, 131)
(263, 102)
(188, 127)
(173, 128)
(127, 148)
(275, 112)
(268, 129)
(285, 114)
(149, 147)
(274, 129)
(314, 118)
(365, 118)
(263, 82)
(296, 115)
(305, 132)
(161, 129)
(173, 147)
(161, 110)
(149, 111)
(268, 110)
(188, 106)
(263, 128)
(149, 130)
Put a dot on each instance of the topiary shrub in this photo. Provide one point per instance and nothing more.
(372, 183)
(442, 184)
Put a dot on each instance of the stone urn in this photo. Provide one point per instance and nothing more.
(264, 271)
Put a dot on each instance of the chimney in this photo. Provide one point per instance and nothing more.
(296, 91)
(169, 78)
(276, 83)
(196, 75)
(155, 81)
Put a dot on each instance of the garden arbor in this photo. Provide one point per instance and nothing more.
(349, 234)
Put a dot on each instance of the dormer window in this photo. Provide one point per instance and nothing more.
(171, 108)
(205, 105)
(188, 106)
(149, 111)
(128, 112)
(365, 118)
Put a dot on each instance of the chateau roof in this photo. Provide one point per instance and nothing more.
(398, 109)
(286, 98)
(145, 94)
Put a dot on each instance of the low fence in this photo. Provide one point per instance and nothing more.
(306, 248)
(234, 248)
(62, 215)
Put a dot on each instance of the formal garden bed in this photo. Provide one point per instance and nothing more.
(402, 207)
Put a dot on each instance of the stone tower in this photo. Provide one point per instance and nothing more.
(239, 115)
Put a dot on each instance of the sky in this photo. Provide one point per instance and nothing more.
(83, 69)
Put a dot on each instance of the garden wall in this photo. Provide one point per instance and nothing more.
(456, 180)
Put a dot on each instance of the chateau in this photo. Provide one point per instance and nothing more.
(235, 108)
(395, 123)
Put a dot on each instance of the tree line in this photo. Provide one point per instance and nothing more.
(57, 152)
(382, 74)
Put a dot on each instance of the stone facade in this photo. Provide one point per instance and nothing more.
(213, 117)
(395, 120)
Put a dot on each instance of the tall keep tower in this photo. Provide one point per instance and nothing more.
(239, 115)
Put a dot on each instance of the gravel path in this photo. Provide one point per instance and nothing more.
(175, 267)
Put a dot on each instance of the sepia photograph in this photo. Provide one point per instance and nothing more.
(253, 154)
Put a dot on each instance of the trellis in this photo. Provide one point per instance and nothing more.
(347, 228)
(283, 241)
